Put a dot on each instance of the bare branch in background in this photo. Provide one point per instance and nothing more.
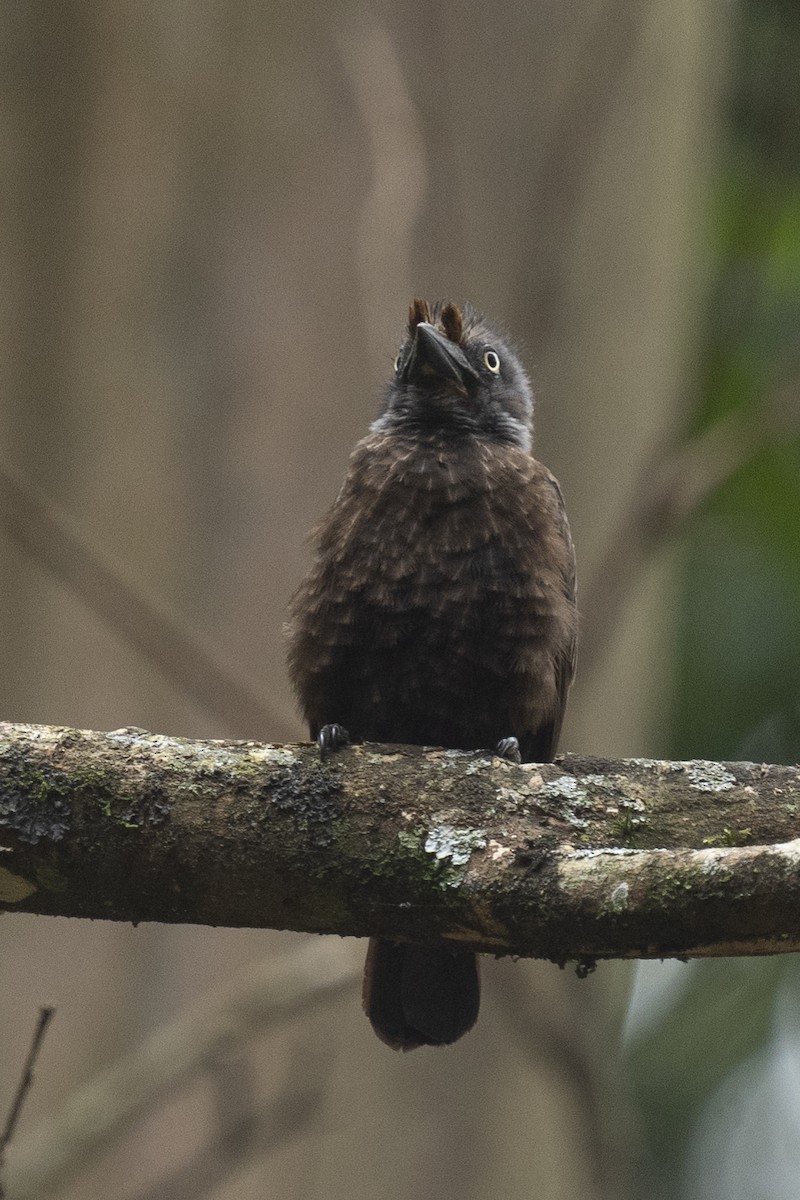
(545, 1034)
(145, 622)
(249, 1130)
(672, 488)
(26, 1080)
(281, 1120)
(268, 994)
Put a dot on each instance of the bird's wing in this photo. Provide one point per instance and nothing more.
(541, 745)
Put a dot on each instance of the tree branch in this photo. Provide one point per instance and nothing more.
(146, 622)
(23, 1087)
(673, 486)
(268, 994)
(582, 858)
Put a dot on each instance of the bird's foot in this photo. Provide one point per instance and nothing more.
(332, 737)
(508, 748)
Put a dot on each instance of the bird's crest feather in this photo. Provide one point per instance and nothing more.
(447, 314)
(419, 311)
(452, 323)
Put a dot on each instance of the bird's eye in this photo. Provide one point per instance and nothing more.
(492, 362)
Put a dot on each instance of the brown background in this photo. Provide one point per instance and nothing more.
(213, 218)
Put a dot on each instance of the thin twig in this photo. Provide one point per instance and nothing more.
(673, 486)
(268, 994)
(45, 1016)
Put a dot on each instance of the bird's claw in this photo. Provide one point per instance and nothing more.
(508, 748)
(332, 737)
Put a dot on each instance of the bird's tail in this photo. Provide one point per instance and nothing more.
(420, 995)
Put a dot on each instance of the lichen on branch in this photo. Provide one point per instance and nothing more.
(577, 859)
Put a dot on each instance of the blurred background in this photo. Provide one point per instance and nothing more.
(213, 216)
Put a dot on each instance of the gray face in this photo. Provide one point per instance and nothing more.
(455, 374)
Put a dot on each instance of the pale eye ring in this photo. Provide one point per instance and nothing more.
(396, 364)
(492, 362)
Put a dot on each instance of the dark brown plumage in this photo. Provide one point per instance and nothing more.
(440, 608)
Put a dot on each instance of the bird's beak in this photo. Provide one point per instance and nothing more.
(435, 357)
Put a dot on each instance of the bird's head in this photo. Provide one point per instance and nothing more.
(454, 373)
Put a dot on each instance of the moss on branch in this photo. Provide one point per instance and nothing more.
(577, 859)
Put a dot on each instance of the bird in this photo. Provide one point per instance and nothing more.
(440, 607)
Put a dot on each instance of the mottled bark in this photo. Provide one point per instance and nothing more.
(581, 858)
